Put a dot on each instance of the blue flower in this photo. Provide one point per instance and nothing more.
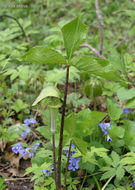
(74, 163)
(17, 148)
(133, 184)
(109, 139)
(104, 127)
(32, 120)
(67, 152)
(30, 154)
(126, 110)
(46, 172)
(27, 122)
(24, 134)
(52, 167)
(71, 152)
(26, 152)
(34, 147)
(22, 152)
(72, 145)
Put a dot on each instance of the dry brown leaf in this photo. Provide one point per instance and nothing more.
(13, 171)
(14, 161)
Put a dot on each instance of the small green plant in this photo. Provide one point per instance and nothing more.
(2, 185)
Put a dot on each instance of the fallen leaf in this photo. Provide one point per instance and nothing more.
(14, 160)
(13, 171)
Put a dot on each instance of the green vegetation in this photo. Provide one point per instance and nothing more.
(67, 96)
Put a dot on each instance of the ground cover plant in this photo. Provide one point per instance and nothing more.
(67, 95)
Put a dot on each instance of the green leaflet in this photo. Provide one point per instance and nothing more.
(124, 94)
(130, 103)
(42, 55)
(80, 144)
(98, 67)
(113, 108)
(74, 34)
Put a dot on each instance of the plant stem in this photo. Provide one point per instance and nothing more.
(103, 188)
(83, 181)
(62, 128)
(65, 177)
(54, 159)
(97, 183)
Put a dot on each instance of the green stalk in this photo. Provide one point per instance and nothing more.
(108, 181)
(53, 118)
(97, 183)
(53, 125)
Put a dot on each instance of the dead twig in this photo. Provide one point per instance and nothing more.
(17, 179)
(101, 26)
(93, 50)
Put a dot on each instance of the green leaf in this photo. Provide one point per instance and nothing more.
(116, 159)
(87, 122)
(108, 174)
(98, 67)
(101, 152)
(42, 55)
(130, 103)
(116, 61)
(113, 108)
(45, 131)
(74, 34)
(70, 124)
(131, 13)
(124, 94)
(120, 172)
(19, 105)
(80, 144)
(49, 91)
(117, 132)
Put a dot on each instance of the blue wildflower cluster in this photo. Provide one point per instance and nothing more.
(24, 134)
(27, 122)
(25, 152)
(126, 110)
(47, 172)
(74, 161)
(105, 127)
(18, 147)
(71, 153)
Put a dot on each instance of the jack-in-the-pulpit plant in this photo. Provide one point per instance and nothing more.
(73, 127)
